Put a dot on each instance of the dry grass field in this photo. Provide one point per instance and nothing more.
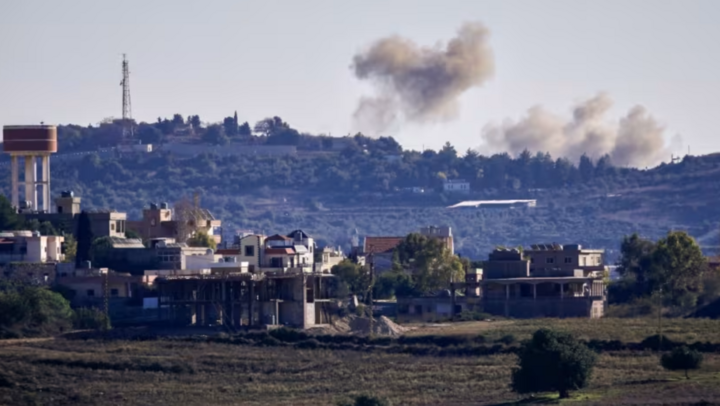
(180, 372)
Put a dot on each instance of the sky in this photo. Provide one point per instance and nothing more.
(60, 62)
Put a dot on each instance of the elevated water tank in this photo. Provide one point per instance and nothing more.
(29, 138)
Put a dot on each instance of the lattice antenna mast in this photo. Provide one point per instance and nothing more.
(126, 104)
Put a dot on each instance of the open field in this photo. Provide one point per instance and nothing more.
(183, 372)
(623, 329)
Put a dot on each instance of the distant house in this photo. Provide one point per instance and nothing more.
(330, 258)
(30, 246)
(456, 186)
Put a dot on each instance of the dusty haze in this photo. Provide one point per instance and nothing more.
(417, 83)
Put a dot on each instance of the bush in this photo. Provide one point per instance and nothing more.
(90, 319)
(33, 311)
(365, 400)
(682, 358)
(553, 361)
(656, 342)
(507, 339)
(288, 335)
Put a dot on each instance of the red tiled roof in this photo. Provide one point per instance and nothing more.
(377, 245)
(280, 251)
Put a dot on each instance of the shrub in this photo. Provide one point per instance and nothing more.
(310, 344)
(656, 342)
(288, 335)
(90, 319)
(507, 339)
(365, 400)
(682, 358)
(553, 361)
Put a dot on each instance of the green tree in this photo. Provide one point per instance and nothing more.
(100, 251)
(553, 361)
(201, 239)
(430, 263)
(355, 276)
(32, 311)
(132, 234)
(682, 359)
(231, 126)
(678, 267)
(70, 248)
(85, 239)
(215, 134)
(46, 228)
(9, 219)
(149, 134)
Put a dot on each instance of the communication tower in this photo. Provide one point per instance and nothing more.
(126, 104)
(32, 143)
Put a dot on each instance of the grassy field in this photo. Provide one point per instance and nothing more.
(167, 372)
(627, 330)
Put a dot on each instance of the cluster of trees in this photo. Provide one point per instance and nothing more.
(27, 310)
(421, 265)
(672, 270)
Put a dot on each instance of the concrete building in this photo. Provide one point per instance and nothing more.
(90, 286)
(565, 260)
(511, 288)
(456, 186)
(31, 247)
(269, 298)
(330, 258)
(159, 221)
(104, 223)
(295, 250)
(506, 287)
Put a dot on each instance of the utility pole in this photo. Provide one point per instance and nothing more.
(106, 291)
(370, 293)
(127, 131)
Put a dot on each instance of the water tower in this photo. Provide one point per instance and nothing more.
(32, 143)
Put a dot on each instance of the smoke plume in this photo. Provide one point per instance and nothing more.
(636, 140)
(420, 84)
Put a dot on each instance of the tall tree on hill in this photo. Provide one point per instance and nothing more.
(586, 168)
(215, 134)
(230, 125)
(85, 239)
(9, 219)
(678, 267)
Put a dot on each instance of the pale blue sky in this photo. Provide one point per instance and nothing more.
(60, 60)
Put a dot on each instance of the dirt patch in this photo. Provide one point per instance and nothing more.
(355, 325)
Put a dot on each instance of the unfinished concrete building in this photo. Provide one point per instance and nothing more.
(243, 299)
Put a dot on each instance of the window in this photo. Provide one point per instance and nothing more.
(532, 260)
(91, 293)
(112, 226)
(568, 260)
(114, 292)
(550, 260)
(418, 309)
(249, 251)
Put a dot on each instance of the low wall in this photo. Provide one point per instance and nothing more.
(561, 308)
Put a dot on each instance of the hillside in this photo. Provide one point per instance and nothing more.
(333, 195)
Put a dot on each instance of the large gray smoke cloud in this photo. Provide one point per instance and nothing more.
(636, 140)
(417, 83)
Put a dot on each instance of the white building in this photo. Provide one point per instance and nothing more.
(456, 186)
(30, 246)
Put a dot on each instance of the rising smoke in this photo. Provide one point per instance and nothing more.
(636, 140)
(420, 84)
